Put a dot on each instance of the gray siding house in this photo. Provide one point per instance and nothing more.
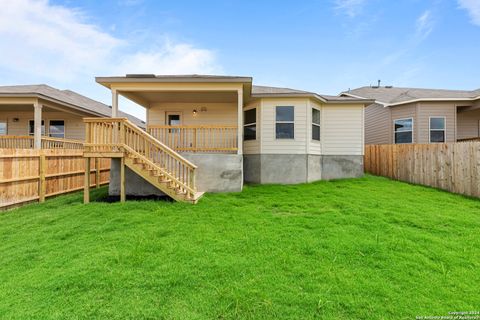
(413, 115)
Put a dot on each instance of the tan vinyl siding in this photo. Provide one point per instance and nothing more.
(404, 112)
(74, 127)
(315, 147)
(342, 129)
(253, 146)
(378, 124)
(216, 114)
(468, 124)
(425, 110)
(271, 145)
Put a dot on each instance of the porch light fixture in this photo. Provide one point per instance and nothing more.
(15, 119)
(194, 112)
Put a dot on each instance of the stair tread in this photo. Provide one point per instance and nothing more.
(159, 178)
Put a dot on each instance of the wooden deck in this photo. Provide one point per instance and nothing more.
(154, 155)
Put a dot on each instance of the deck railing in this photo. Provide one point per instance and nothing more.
(105, 135)
(205, 138)
(27, 142)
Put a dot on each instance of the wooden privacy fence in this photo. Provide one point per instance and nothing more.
(28, 175)
(454, 167)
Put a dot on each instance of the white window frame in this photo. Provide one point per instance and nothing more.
(250, 124)
(318, 125)
(64, 128)
(44, 134)
(292, 122)
(413, 130)
(6, 126)
(444, 129)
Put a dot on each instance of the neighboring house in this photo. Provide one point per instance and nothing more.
(60, 111)
(235, 131)
(411, 115)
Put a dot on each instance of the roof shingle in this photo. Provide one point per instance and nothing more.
(393, 95)
(69, 97)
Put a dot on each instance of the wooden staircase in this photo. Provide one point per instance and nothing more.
(149, 158)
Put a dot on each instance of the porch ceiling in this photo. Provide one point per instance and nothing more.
(145, 98)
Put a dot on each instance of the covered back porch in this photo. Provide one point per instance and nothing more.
(189, 117)
(28, 122)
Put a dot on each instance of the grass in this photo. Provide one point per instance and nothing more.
(365, 248)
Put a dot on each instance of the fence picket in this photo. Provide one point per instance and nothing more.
(454, 167)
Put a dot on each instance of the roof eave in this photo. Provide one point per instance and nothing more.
(430, 99)
(288, 95)
(48, 98)
(106, 81)
(362, 101)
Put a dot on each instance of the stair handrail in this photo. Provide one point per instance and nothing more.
(190, 190)
(159, 144)
(117, 127)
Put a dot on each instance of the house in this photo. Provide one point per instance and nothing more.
(30, 112)
(217, 132)
(412, 115)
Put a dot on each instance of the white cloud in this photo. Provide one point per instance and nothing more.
(170, 58)
(473, 8)
(43, 39)
(424, 25)
(46, 43)
(351, 8)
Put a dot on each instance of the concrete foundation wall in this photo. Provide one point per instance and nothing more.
(340, 167)
(134, 184)
(215, 173)
(226, 172)
(283, 168)
(251, 168)
(299, 168)
(314, 168)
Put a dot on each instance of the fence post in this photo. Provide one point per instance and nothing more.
(97, 172)
(86, 187)
(41, 174)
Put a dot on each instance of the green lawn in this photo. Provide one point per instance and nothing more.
(365, 248)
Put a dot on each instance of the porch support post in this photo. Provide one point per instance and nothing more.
(122, 179)
(37, 125)
(240, 122)
(114, 103)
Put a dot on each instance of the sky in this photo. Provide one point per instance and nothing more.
(323, 46)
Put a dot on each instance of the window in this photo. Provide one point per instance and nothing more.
(174, 120)
(250, 124)
(3, 128)
(57, 128)
(31, 127)
(315, 124)
(404, 130)
(437, 129)
(284, 125)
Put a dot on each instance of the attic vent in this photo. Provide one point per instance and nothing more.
(140, 75)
